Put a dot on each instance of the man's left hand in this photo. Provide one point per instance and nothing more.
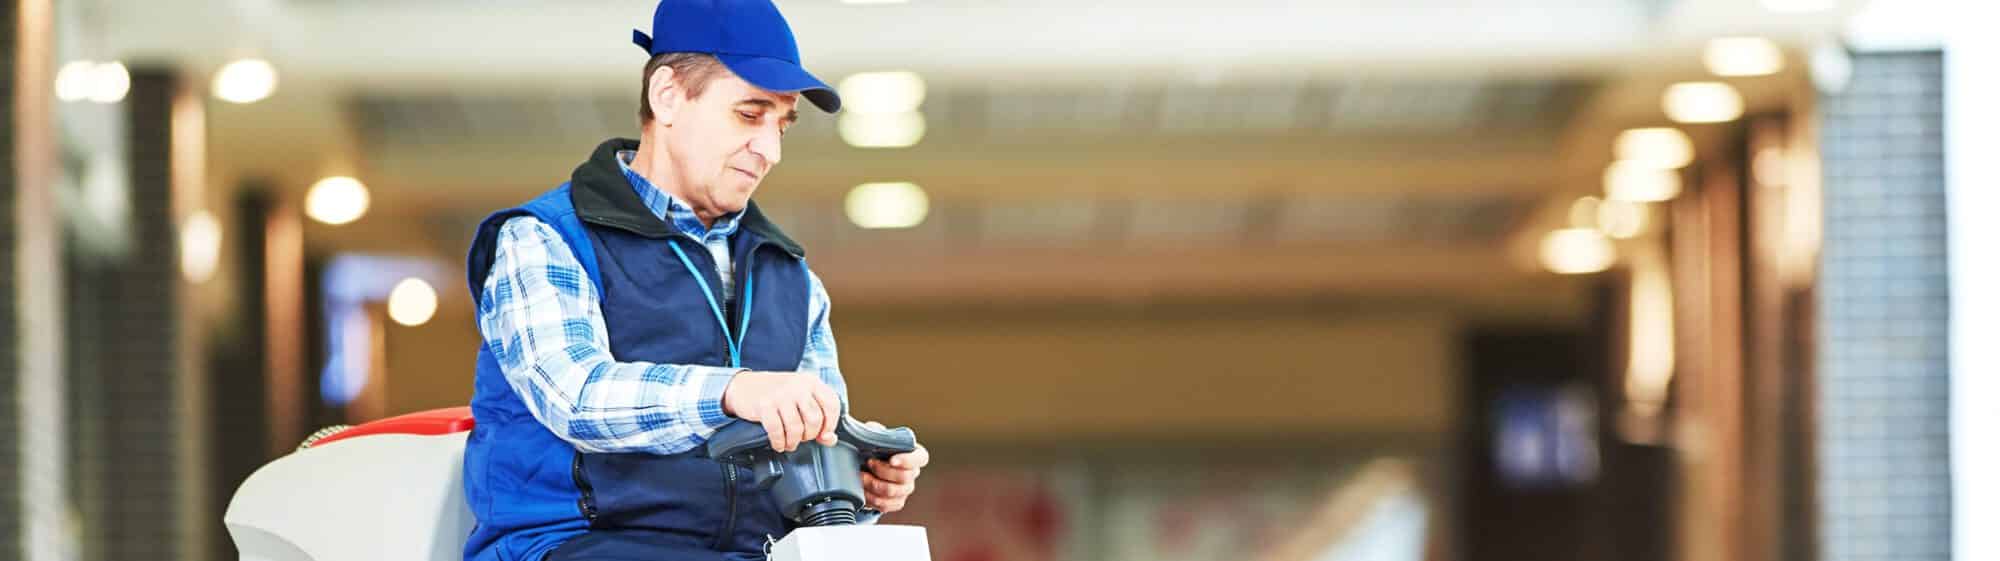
(889, 483)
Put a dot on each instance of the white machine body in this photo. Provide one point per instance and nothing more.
(386, 496)
(879, 542)
(400, 496)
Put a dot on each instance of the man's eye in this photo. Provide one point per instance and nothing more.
(751, 117)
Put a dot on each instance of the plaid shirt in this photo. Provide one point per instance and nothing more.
(540, 315)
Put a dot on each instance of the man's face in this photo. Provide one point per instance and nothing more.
(727, 140)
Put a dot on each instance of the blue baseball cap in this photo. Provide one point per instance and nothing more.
(748, 36)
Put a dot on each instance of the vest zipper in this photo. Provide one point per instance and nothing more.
(584, 503)
(728, 489)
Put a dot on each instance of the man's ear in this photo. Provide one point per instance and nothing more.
(664, 95)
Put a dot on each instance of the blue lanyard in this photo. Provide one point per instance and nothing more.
(749, 290)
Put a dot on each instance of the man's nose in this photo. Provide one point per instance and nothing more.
(766, 145)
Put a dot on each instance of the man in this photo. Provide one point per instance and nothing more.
(631, 312)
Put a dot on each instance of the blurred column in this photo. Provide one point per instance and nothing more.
(253, 387)
(265, 382)
(257, 385)
(145, 490)
(1709, 431)
(10, 331)
(285, 333)
(32, 456)
(1743, 243)
(1885, 486)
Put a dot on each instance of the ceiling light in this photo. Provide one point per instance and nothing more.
(1702, 102)
(1576, 251)
(109, 83)
(887, 205)
(412, 302)
(882, 130)
(1743, 56)
(337, 200)
(74, 80)
(882, 92)
(1660, 147)
(1622, 220)
(1627, 181)
(245, 81)
(101, 82)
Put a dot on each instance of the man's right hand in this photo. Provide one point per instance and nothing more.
(793, 407)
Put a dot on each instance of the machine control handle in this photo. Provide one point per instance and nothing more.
(739, 442)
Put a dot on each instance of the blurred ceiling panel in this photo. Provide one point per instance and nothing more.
(483, 41)
(1524, 110)
(1383, 220)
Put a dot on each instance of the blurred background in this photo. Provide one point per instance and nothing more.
(1431, 280)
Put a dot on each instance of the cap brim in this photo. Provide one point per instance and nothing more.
(780, 75)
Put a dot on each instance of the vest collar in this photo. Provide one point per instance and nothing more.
(603, 197)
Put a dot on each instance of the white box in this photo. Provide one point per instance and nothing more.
(875, 542)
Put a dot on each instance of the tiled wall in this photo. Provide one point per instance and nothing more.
(124, 358)
(1883, 466)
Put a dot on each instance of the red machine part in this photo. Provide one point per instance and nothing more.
(429, 423)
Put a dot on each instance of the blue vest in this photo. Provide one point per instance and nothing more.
(530, 491)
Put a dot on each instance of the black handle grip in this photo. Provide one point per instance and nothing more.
(815, 485)
(874, 442)
(738, 442)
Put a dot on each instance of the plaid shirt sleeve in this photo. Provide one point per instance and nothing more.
(540, 315)
(822, 357)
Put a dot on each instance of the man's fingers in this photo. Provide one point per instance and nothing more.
(913, 459)
(774, 429)
(893, 474)
(879, 489)
(876, 488)
(793, 426)
(813, 426)
(830, 403)
(885, 495)
(889, 505)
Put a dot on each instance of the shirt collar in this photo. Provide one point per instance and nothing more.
(667, 208)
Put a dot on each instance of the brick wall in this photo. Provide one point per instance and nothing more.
(1884, 475)
(122, 357)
